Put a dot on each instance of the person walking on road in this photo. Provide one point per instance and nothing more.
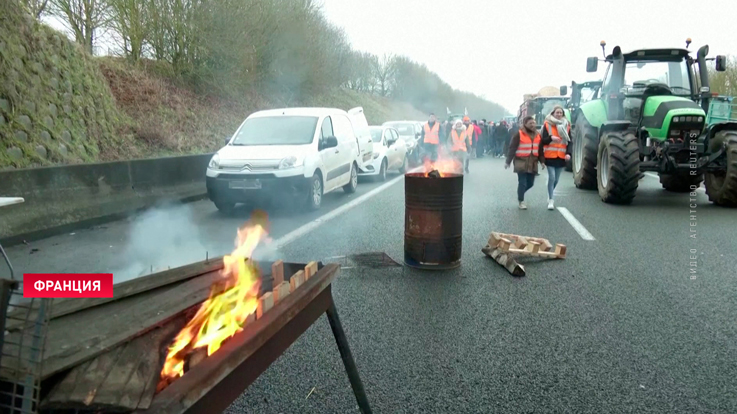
(460, 139)
(556, 149)
(524, 150)
(430, 137)
(470, 133)
(479, 132)
(501, 136)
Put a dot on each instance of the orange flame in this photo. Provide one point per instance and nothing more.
(230, 303)
(444, 165)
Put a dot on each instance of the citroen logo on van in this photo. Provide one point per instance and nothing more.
(247, 167)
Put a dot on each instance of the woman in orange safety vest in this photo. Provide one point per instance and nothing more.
(460, 142)
(526, 151)
(556, 149)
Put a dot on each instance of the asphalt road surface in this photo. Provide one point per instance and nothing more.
(628, 322)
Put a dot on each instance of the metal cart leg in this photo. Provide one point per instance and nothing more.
(348, 362)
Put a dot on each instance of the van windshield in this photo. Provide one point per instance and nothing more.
(277, 130)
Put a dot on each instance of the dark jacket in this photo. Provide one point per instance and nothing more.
(553, 162)
(526, 164)
(501, 133)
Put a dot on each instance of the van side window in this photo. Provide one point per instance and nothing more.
(327, 128)
(343, 128)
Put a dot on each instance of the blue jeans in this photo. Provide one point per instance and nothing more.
(525, 181)
(553, 177)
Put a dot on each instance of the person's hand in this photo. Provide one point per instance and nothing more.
(506, 166)
(557, 140)
(568, 157)
(542, 166)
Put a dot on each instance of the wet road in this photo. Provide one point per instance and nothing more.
(629, 322)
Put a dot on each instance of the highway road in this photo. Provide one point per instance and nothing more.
(640, 317)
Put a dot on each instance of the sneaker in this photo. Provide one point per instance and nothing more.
(522, 205)
(550, 205)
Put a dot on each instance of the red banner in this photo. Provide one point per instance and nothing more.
(68, 285)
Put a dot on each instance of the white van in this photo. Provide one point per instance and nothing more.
(296, 152)
(365, 142)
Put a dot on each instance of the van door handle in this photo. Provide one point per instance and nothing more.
(336, 151)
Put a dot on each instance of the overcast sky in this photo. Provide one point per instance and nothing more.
(504, 49)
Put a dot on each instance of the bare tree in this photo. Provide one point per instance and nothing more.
(82, 17)
(129, 19)
(35, 7)
(384, 72)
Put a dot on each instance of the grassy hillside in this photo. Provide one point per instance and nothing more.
(55, 107)
(59, 105)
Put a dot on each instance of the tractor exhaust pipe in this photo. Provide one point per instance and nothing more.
(704, 75)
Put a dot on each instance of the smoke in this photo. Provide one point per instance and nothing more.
(161, 238)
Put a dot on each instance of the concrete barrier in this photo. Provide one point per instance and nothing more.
(73, 196)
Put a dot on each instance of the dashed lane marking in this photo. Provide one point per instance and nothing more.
(653, 175)
(301, 231)
(580, 229)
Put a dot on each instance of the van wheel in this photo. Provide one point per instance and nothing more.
(315, 193)
(225, 207)
(353, 183)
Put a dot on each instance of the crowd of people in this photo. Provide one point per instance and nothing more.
(522, 146)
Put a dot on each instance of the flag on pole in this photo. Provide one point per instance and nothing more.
(465, 111)
(447, 109)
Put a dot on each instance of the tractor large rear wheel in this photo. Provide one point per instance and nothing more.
(584, 154)
(681, 182)
(721, 186)
(618, 172)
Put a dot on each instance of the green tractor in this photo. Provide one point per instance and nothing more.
(580, 94)
(651, 116)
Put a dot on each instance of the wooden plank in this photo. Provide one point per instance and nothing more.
(310, 270)
(265, 302)
(281, 291)
(296, 280)
(235, 353)
(80, 336)
(123, 379)
(526, 252)
(66, 306)
(277, 272)
(505, 260)
(560, 250)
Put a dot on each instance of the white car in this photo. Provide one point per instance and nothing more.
(390, 152)
(296, 152)
(410, 132)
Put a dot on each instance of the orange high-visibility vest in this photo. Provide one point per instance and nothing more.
(555, 150)
(469, 131)
(527, 147)
(459, 140)
(432, 134)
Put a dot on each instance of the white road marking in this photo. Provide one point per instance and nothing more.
(301, 231)
(653, 175)
(580, 229)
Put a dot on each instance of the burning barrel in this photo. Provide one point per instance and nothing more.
(433, 220)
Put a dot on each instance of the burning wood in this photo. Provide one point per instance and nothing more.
(444, 166)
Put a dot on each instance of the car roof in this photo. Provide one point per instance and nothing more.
(298, 112)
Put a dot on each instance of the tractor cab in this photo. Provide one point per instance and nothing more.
(651, 115)
(582, 93)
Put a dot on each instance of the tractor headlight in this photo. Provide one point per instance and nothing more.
(675, 119)
(701, 119)
(689, 119)
(214, 162)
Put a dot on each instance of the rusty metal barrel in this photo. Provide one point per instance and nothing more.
(433, 221)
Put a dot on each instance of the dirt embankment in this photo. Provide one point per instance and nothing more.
(58, 105)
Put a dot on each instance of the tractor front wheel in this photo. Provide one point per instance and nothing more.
(618, 171)
(584, 152)
(681, 182)
(721, 186)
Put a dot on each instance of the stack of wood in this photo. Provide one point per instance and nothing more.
(503, 247)
(100, 354)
